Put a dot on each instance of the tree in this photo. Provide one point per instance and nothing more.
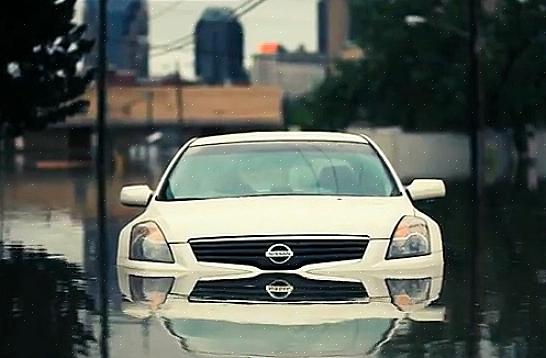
(414, 70)
(514, 66)
(40, 78)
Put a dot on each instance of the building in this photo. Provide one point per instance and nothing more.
(219, 53)
(199, 106)
(335, 31)
(127, 44)
(297, 73)
(176, 112)
(135, 39)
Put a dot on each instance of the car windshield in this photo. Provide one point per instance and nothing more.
(278, 168)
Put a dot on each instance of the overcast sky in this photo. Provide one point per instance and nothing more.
(290, 22)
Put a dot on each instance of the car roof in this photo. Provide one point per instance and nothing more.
(279, 136)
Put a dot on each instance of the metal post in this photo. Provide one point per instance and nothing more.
(474, 100)
(101, 176)
(3, 169)
(475, 125)
(150, 122)
(150, 108)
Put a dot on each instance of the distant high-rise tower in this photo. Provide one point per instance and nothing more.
(127, 44)
(219, 53)
(334, 27)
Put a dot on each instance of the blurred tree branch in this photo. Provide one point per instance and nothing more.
(40, 76)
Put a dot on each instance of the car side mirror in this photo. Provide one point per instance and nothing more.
(421, 189)
(135, 195)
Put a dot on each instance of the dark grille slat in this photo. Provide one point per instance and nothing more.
(252, 251)
(306, 251)
(259, 243)
(308, 291)
(254, 289)
(318, 258)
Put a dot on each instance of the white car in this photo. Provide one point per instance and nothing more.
(283, 314)
(281, 201)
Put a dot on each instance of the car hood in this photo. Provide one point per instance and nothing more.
(283, 215)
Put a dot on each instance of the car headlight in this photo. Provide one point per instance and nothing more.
(149, 244)
(410, 238)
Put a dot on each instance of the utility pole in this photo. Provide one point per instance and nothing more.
(101, 115)
(101, 176)
(3, 169)
(474, 99)
(476, 126)
(150, 122)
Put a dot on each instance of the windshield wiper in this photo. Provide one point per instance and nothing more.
(190, 199)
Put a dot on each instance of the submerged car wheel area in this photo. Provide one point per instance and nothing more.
(281, 202)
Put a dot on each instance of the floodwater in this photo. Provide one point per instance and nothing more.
(57, 302)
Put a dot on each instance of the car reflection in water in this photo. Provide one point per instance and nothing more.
(281, 314)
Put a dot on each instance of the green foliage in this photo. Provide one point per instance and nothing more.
(297, 113)
(515, 63)
(414, 73)
(39, 78)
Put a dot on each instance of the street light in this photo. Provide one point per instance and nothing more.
(416, 20)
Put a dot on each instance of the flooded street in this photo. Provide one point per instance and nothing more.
(54, 304)
(348, 178)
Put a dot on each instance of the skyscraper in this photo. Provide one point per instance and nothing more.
(219, 51)
(127, 44)
(334, 27)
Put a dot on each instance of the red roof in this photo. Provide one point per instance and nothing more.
(270, 48)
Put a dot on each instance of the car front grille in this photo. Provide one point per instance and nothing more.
(271, 253)
(271, 288)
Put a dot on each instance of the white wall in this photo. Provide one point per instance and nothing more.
(295, 78)
(447, 155)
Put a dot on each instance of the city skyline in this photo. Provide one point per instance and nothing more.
(128, 35)
(271, 21)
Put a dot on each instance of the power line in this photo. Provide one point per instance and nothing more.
(188, 40)
(242, 5)
(183, 38)
(166, 10)
(249, 8)
(171, 49)
(173, 42)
